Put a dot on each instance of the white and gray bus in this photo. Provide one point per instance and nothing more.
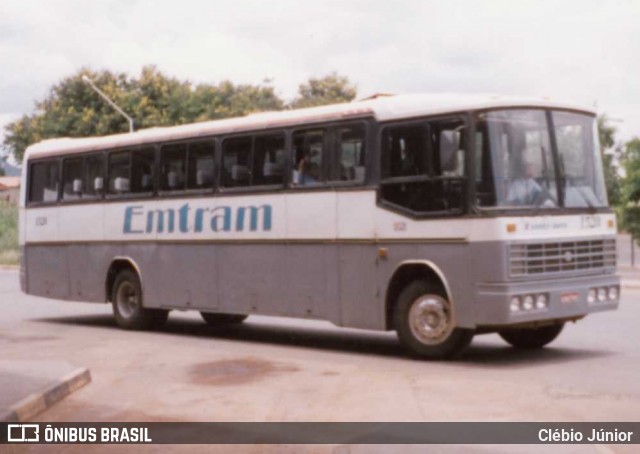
(436, 216)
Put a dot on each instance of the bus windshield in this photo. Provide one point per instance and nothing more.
(521, 159)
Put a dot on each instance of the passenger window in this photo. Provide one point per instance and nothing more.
(143, 171)
(308, 152)
(43, 182)
(200, 165)
(173, 165)
(268, 160)
(423, 166)
(236, 161)
(350, 154)
(72, 186)
(119, 172)
(93, 187)
(404, 151)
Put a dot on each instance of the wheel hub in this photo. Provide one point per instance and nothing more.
(430, 319)
(127, 299)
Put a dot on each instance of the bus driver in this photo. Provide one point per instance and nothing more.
(524, 189)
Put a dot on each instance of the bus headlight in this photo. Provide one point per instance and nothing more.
(613, 293)
(542, 301)
(602, 294)
(591, 296)
(514, 305)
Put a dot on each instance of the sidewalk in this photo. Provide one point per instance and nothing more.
(27, 388)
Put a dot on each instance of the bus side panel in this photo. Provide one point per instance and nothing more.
(270, 279)
(359, 292)
(87, 265)
(251, 278)
(163, 269)
(48, 273)
(46, 260)
(310, 284)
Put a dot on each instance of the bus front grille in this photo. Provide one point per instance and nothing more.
(570, 257)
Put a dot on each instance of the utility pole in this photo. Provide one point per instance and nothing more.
(88, 80)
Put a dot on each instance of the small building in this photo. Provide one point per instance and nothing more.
(10, 189)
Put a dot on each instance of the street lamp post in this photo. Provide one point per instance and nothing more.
(88, 80)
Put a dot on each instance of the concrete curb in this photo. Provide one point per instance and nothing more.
(36, 403)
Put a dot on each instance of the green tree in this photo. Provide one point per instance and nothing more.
(73, 109)
(630, 190)
(610, 156)
(329, 89)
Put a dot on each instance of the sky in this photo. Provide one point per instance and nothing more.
(580, 51)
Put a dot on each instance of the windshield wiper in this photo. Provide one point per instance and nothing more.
(592, 207)
(539, 206)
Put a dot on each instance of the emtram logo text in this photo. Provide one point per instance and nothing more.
(185, 219)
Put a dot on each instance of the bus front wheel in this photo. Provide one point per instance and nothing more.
(218, 319)
(531, 338)
(424, 320)
(127, 304)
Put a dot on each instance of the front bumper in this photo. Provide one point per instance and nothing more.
(492, 300)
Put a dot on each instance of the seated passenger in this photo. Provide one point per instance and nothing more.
(300, 175)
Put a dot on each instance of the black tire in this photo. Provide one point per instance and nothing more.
(218, 319)
(434, 334)
(532, 338)
(128, 310)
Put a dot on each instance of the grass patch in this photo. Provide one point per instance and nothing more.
(9, 250)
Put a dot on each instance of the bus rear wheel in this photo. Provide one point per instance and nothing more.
(424, 320)
(127, 304)
(532, 338)
(218, 319)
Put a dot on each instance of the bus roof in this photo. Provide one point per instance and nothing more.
(382, 108)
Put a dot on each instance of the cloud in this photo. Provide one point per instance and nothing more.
(581, 51)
